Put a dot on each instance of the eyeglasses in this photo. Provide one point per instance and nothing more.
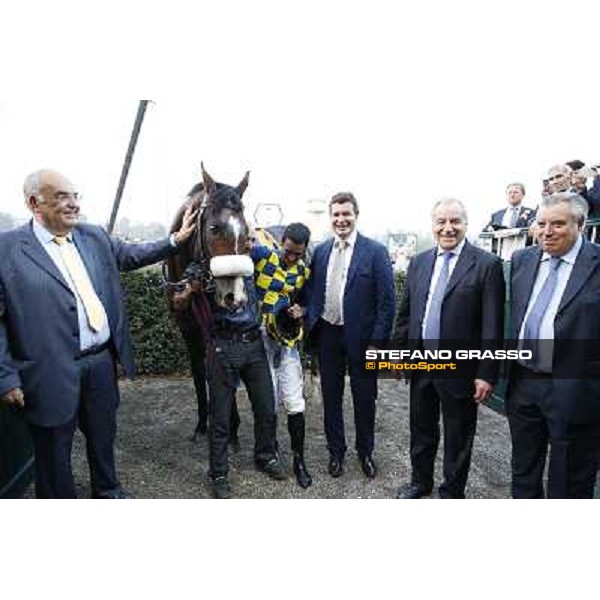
(67, 197)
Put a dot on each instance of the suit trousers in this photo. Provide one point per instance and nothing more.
(460, 421)
(536, 424)
(333, 360)
(97, 419)
(247, 361)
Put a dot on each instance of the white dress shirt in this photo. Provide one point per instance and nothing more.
(439, 261)
(87, 336)
(508, 213)
(351, 241)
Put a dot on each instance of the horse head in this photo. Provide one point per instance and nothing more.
(218, 249)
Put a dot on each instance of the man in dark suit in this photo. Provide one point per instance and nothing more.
(350, 305)
(453, 292)
(62, 329)
(515, 214)
(554, 398)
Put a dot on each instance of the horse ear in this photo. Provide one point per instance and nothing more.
(209, 182)
(243, 184)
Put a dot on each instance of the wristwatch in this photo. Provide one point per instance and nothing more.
(173, 240)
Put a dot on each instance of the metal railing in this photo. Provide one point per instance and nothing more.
(504, 242)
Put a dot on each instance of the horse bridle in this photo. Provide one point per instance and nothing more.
(198, 269)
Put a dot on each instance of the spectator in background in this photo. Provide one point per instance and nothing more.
(579, 180)
(515, 214)
(559, 178)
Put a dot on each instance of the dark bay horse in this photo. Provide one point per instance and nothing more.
(213, 261)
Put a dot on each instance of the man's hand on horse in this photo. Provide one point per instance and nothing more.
(188, 224)
(14, 397)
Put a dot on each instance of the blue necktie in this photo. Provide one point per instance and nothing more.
(531, 331)
(534, 319)
(432, 326)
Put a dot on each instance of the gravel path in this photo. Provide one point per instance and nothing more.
(156, 458)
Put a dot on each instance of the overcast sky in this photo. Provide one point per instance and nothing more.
(401, 107)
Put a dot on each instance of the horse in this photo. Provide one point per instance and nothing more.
(211, 261)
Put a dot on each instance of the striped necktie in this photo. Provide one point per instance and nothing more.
(83, 285)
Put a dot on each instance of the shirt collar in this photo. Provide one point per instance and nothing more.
(44, 236)
(456, 251)
(350, 240)
(571, 255)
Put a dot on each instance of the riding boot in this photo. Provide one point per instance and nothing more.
(296, 428)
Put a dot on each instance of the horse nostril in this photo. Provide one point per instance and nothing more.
(229, 298)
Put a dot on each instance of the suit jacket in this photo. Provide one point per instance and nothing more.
(526, 217)
(369, 295)
(39, 331)
(576, 358)
(472, 311)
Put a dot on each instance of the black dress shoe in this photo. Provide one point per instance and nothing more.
(368, 466)
(412, 492)
(336, 466)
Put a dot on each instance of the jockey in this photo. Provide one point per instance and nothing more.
(280, 275)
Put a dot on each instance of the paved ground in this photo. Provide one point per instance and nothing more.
(156, 458)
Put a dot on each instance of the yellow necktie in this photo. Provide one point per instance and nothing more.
(83, 286)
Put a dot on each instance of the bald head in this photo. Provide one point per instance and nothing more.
(559, 178)
(50, 196)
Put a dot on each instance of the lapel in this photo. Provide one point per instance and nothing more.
(585, 263)
(466, 261)
(32, 248)
(523, 286)
(83, 247)
(324, 261)
(424, 282)
(356, 254)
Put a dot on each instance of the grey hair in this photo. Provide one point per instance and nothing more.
(578, 205)
(564, 169)
(447, 202)
(31, 186)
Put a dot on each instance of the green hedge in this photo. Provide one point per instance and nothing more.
(158, 346)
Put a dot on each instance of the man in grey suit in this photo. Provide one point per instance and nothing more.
(63, 328)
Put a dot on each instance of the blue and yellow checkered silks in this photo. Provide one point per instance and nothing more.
(276, 287)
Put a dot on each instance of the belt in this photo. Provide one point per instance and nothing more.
(93, 350)
(239, 336)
